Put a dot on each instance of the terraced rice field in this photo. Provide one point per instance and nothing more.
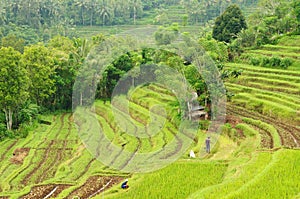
(49, 162)
(53, 162)
(258, 155)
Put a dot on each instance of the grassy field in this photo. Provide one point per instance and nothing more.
(256, 156)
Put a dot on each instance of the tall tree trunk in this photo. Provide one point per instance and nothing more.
(103, 20)
(82, 15)
(91, 23)
(134, 14)
(10, 114)
(132, 82)
(8, 118)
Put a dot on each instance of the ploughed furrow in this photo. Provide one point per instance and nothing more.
(267, 141)
(48, 152)
(24, 168)
(95, 185)
(45, 191)
(266, 137)
(27, 178)
(289, 134)
(49, 171)
(61, 153)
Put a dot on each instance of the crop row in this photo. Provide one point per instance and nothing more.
(266, 107)
(293, 99)
(288, 49)
(41, 149)
(155, 142)
(271, 82)
(247, 67)
(294, 55)
(239, 175)
(289, 102)
(289, 134)
(266, 127)
(288, 78)
(180, 175)
(277, 180)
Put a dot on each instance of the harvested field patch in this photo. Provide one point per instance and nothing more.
(45, 191)
(19, 155)
(95, 185)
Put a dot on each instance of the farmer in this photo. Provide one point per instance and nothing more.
(207, 143)
(124, 184)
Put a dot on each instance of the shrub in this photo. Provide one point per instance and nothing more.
(4, 133)
(286, 62)
(204, 124)
(255, 61)
(274, 61)
(265, 62)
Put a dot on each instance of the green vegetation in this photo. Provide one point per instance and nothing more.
(229, 24)
(159, 183)
(49, 64)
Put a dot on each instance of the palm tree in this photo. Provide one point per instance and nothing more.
(82, 4)
(91, 7)
(136, 5)
(3, 13)
(105, 11)
(122, 9)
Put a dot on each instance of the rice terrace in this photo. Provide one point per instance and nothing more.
(150, 99)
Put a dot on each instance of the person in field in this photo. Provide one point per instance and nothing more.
(207, 143)
(124, 184)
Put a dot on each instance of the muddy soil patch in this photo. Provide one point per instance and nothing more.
(45, 191)
(19, 155)
(95, 185)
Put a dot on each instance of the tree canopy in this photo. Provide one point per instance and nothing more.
(229, 24)
(13, 83)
